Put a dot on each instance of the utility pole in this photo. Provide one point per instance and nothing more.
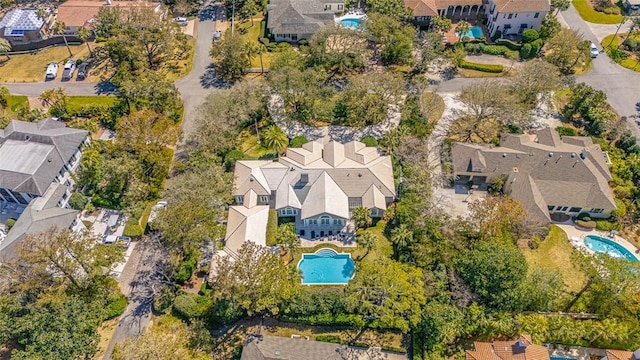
(624, 19)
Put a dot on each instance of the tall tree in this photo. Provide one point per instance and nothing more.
(440, 24)
(462, 29)
(361, 217)
(231, 57)
(275, 139)
(560, 5)
(288, 238)
(146, 131)
(338, 50)
(256, 292)
(5, 47)
(535, 79)
(550, 26)
(388, 291)
(401, 237)
(60, 28)
(367, 240)
(565, 50)
(395, 8)
(83, 34)
(149, 90)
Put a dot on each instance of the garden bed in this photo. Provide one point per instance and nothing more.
(588, 13)
(622, 57)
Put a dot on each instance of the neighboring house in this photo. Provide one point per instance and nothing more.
(315, 186)
(632, 7)
(552, 176)
(82, 13)
(295, 20)
(514, 16)
(622, 355)
(36, 163)
(22, 26)
(266, 347)
(520, 349)
(423, 10)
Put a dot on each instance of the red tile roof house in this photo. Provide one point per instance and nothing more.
(622, 355)
(521, 348)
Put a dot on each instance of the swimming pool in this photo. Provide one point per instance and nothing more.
(475, 32)
(326, 267)
(350, 23)
(599, 244)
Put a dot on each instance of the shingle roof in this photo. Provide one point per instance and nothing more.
(297, 16)
(80, 12)
(572, 172)
(620, 355)
(422, 7)
(325, 197)
(32, 154)
(246, 224)
(519, 349)
(17, 22)
(521, 6)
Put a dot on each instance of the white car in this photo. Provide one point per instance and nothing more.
(181, 20)
(594, 51)
(52, 71)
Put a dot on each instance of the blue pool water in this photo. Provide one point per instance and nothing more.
(326, 267)
(475, 32)
(351, 23)
(603, 245)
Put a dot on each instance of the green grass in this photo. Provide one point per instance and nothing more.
(555, 254)
(628, 63)
(248, 144)
(17, 101)
(75, 103)
(589, 14)
(251, 34)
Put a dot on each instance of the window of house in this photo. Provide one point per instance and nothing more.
(355, 202)
(515, 16)
(536, 15)
(6, 195)
(510, 16)
(575, 209)
(563, 208)
(550, 207)
(375, 212)
(340, 7)
(504, 16)
(19, 197)
(239, 199)
(289, 211)
(263, 198)
(596, 211)
(325, 220)
(337, 221)
(507, 27)
(327, 6)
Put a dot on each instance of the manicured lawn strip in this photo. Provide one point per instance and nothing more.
(32, 67)
(554, 253)
(589, 14)
(75, 103)
(17, 101)
(628, 63)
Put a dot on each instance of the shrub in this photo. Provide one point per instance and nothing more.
(191, 306)
(132, 228)
(272, 228)
(298, 141)
(334, 339)
(116, 307)
(100, 39)
(606, 225)
(204, 289)
(186, 268)
(583, 216)
(490, 68)
(231, 157)
(9, 223)
(586, 224)
(566, 131)
(78, 201)
(510, 44)
(526, 51)
(512, 55)
(224, 312)
(370, 141)
(536, 46)
(631, 44)
(530, 35)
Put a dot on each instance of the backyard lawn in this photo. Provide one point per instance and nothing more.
(629, 62)
(555, 254)
(252, 36)
(17, 101)
(32, 67)
(589, 14)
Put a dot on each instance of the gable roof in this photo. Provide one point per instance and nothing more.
(519, 349)
(32, 154)
(620, 355)
(266, 347)
(422, 7)
(81, 12)
(246, 224)
(325, 197)
(16, 22)
(568, 171)
(297, 16)
(521, 6)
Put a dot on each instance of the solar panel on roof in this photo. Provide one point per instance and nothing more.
(17, 32)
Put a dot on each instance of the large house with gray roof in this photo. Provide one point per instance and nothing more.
(37, 161)
(551, 175)
(22, 26)
(295, 20)
(315, 186)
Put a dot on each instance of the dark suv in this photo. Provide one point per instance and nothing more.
(83, 71)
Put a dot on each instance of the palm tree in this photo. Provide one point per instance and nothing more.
(401, 236)
(361, 217)
(367, 240)
(47, 97)
(275, 139)
(42, 14)
(60, 29)
(261, 48)
(5, 47)
(462, 29)
(83, 34)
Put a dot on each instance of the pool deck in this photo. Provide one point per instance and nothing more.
(573, 231)
(575, 352)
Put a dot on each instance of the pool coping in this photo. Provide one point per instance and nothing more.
(336, 253)
(572, 231)
(635, 255)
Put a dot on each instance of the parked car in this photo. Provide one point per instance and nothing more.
(69, 69)
(83, 71)
(52, 71)
(217, 35)
(183, 21)
(594, 51)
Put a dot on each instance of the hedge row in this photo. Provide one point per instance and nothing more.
(586, 224)
(490, 68)
(510, 44)
(491, 50)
